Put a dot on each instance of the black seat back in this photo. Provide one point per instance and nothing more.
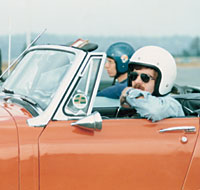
(190, 103)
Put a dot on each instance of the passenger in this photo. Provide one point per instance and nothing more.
(151, 75)
(118, 55)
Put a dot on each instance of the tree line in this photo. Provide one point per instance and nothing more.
(194, 48)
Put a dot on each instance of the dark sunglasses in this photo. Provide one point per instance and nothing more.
(144, 77)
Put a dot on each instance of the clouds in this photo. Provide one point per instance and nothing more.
(102, 17)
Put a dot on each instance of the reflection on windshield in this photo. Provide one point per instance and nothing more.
(39, 74)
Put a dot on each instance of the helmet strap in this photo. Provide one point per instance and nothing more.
(116, 76)
(114, 80)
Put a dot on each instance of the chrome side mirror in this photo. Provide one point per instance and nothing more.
(92, 122)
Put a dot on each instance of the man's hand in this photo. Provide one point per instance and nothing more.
(123, 102)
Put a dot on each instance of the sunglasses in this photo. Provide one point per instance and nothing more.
(144, 77)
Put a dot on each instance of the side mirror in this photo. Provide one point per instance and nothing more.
(92, 122)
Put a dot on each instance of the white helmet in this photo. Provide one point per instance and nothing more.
(162, 61)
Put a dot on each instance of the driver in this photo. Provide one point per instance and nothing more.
(118, 55)
(151, 75)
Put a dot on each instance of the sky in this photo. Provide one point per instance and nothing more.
(101, 17)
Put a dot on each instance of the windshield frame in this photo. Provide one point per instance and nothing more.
(48, 113)
(46, 77)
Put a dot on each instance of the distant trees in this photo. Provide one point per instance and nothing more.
(0, 63)
(194, 48)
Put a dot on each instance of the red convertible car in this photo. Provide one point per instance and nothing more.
(55, 134)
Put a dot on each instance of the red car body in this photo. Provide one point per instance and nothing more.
(48, 148)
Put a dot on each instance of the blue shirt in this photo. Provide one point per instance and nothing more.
(154, 108)
(113, 91)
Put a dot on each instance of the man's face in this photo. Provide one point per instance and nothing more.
(110, 66)
(138, 83)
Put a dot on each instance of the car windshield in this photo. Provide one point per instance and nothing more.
(39, 74)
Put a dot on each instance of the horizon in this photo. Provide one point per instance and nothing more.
(174, 44)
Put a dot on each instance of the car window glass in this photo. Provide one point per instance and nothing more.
(80, 99)
(42, 71)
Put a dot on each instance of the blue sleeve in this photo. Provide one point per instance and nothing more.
(113, 91)
(154, 108)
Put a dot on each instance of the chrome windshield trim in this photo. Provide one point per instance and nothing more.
(59, 114)
(100, 72)
(46, 116)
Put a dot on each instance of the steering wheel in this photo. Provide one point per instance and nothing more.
(126, 112)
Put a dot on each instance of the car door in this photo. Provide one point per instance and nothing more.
(9, 150)
(125, 154)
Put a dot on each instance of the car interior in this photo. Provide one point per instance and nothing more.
(189, 98)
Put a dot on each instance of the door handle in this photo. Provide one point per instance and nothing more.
(187, 129)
